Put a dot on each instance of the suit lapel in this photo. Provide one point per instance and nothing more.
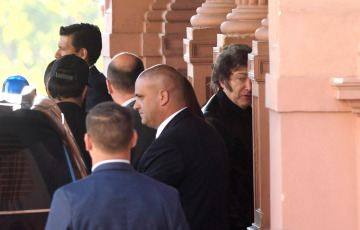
(186, 112)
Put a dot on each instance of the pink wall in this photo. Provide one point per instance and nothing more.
(313, 135)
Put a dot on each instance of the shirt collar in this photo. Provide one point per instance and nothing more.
(109, 161)
(165, 122)
(128, 101)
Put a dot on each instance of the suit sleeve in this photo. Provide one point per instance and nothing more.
(60, 214)
(163, 163)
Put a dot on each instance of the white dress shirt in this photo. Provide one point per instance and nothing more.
(128, 101)
(109, 161)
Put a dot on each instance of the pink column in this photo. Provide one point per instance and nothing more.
(258, 67)
(200, 39)
(242, 23)
(347, 89)
(152, 33)
(176, 19)
(313, 94)
(123, 27)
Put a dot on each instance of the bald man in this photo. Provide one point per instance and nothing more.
(114, 196)
(187, 153)
(122, 73)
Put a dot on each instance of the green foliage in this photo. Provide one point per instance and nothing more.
(29, 33)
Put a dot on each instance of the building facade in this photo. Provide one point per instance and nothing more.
(305, 69)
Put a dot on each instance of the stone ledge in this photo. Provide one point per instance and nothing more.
(348, 89)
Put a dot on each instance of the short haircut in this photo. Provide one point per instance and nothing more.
(110, 127)
(185, 91)
(231, 58)
(123, 79)
(168, 74)
(86, 36)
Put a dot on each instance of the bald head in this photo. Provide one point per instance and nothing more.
(123, 70)
(160, 92)
(168, 78)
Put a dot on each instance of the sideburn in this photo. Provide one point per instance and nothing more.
(227, 85)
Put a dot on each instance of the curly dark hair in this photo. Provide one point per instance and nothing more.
(231, 58)
(86, 36)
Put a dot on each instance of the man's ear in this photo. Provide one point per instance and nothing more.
(109, 87)
(83, 53)
(222, 83)
(164, 97)
(88, 142)
(134, 139)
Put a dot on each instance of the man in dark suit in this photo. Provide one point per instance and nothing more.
(122, 72)
(84, 40)
(114, 196)
(187, 153)
(230, 112)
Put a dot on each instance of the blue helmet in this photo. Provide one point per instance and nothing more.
(14, 84)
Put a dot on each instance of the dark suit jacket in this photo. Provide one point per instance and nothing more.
(235, 126)
(191, 156)
(116, 197)
(146, 136)
(97, 91)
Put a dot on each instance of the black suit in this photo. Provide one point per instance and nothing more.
(191, 156)
(146, 136)
(97, 91)
(235, 126)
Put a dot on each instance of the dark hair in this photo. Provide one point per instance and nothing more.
(61, 88)
(47, 72)
(191, 99)
(110, 126)
(123, 79)
(86, 36)
(231, 58)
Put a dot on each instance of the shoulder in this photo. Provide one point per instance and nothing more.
(94, 71)
(95, 76)
(211, 107)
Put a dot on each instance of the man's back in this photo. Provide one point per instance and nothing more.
(114, 196)
(191, 156)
